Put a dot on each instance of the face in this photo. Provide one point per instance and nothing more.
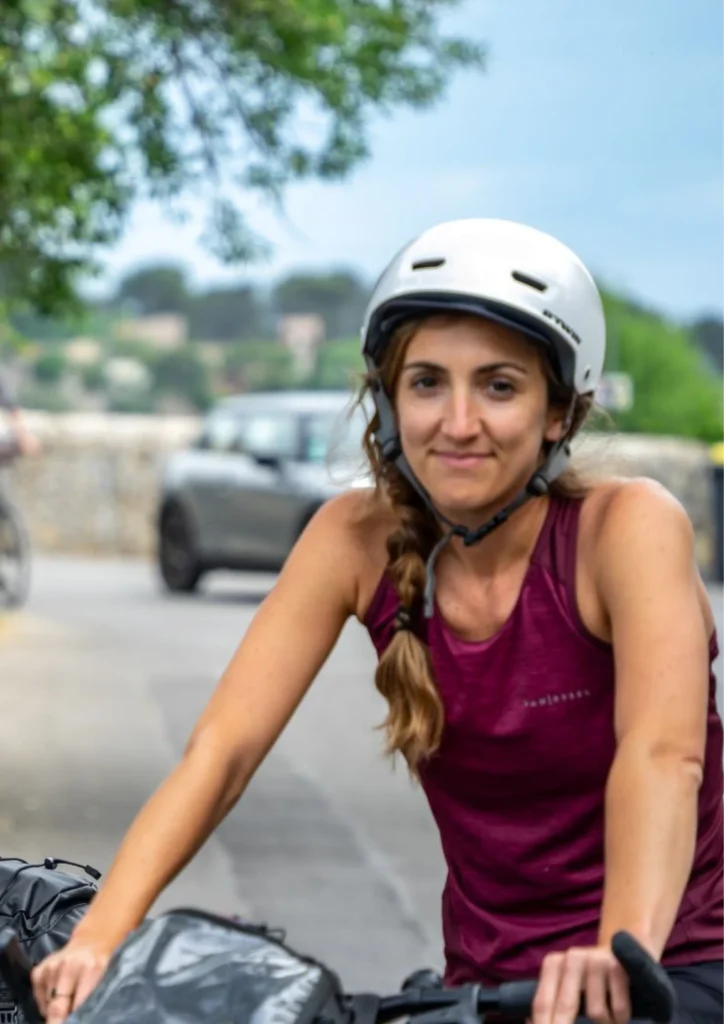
(472, 407)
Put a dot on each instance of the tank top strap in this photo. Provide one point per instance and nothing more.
(557, 543)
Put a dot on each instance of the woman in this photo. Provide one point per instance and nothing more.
(544, 647)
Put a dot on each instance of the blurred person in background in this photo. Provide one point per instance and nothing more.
(20, 438)
(545, 648)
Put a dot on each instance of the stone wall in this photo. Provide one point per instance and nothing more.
(683, 467)
(94, 490)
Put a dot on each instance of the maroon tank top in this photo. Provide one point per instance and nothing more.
(517, 786)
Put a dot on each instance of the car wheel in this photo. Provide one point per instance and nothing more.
(177, 559)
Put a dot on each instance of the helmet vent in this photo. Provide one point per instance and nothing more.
(427, 264)
(532, 282)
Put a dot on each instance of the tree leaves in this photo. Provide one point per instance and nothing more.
(104, 101)
(674, 391)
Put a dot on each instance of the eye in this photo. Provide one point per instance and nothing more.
(501, 387)
(424, 382)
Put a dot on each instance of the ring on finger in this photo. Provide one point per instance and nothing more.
(55, 994)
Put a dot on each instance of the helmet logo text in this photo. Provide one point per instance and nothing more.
(562, 324)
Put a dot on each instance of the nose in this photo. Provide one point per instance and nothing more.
(462, 417)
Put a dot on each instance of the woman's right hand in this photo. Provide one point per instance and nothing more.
(63, 980)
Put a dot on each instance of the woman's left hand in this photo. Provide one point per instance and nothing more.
(590, 971)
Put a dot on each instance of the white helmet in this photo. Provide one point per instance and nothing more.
(503, 271)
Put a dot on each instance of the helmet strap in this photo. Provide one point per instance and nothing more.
(388, 439)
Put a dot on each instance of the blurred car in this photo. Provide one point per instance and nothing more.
(240, 496)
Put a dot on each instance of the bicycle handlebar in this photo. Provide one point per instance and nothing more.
(652, 994)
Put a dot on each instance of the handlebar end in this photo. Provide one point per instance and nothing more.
(652, 994)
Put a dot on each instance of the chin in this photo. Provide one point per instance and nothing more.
(466, 500)
(459, 502)
(468, 495)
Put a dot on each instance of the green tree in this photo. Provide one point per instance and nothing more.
(142, 351)
(708, 334)
(339, 365)
(226, 314)
(339, 298)
(104, 101)
(50, 366)
(131, 402)
(39, 328)
(673, 391)
(257, 365)
(182, 372)
(93, 377)
(159, 289)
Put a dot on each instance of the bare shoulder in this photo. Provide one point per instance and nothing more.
(633, 522)
(618, 498)
(354, 528)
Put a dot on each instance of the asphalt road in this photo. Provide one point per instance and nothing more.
(103, 676)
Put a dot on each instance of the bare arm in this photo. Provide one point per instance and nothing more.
(649, 588)
(26, 442)
(288, 641)
(649, 585)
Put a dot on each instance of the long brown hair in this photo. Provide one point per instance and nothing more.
(405, 678)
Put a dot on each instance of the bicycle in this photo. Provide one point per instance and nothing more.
(15, 558)
(423, 996)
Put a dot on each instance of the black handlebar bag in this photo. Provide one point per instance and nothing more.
(42, 905)
(188, 966)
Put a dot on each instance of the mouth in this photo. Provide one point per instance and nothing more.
(462, 460)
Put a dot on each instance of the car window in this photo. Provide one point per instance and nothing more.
(271, 434)
(220, 432)
(334, 436)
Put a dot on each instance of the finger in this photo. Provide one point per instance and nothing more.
(42, 977)
(58, 1008)
(546, 992)
(619, 994)
(597, 990)
(568, 999)
(60, 996)
(87, 982)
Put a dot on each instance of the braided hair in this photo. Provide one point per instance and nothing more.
(405, 678)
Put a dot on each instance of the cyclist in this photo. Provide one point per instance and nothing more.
(545, 648)
(21, 438)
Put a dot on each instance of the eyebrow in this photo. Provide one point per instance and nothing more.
(485, 368)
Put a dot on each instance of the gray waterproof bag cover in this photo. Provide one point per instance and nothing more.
(188, 966)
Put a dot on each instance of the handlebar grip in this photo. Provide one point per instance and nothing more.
(652, 995)
(515, 998)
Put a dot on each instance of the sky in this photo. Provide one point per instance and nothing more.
(599, 122)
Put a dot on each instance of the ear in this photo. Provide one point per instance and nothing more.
(555, 420)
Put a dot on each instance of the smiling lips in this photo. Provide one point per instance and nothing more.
(462, 460)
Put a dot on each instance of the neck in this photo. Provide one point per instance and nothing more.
(507, 545)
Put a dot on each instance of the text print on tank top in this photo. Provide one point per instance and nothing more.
(517, 787)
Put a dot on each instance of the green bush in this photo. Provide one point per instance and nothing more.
(131, 403)
(182, 372)
(93, 377)
(674, 392)
(339, 365)
(257, 365)
(50, 367)
(44, 397)
(142, 351)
